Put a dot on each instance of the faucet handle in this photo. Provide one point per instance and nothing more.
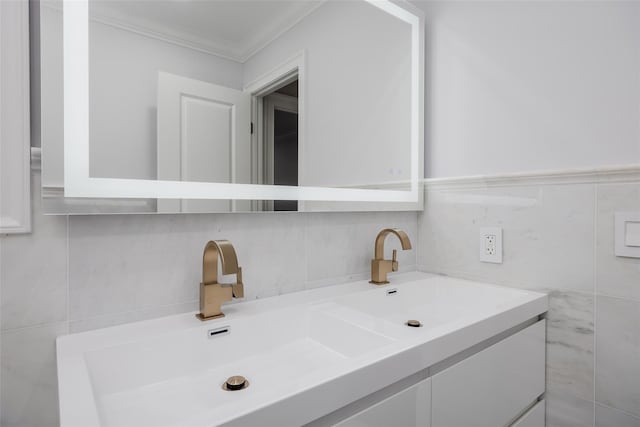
(394, 261)
(238, 287)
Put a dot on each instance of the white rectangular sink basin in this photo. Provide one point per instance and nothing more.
(296, 351)
(433, 302)
(133, 382)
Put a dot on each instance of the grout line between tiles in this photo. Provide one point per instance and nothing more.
(417, 246)
(629, 414)
(595, 291)
(617, 297)
(34, 326)
(305, 236)
(1, 240)
(68, 278)
(140, 310)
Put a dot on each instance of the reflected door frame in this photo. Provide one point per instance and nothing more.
(285, 73)
(272, 103)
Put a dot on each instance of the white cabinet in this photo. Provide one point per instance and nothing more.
(408, 408)
(494, 386)
(497, 384)
(534, 417)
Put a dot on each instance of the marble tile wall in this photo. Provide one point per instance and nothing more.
(558, 238)
(84, 272)
(617, 346)
(79, 273)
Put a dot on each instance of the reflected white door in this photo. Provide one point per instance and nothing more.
(203, 135)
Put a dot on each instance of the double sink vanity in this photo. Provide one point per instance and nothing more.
(253, 117)
(423, 350)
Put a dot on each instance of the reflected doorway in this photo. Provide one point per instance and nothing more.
(280, 159)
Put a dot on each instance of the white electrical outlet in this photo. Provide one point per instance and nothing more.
(491, 244)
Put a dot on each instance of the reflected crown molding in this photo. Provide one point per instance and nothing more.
(222, 47)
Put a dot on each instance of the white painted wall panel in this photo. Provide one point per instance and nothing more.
(528, 85)
(15, 142)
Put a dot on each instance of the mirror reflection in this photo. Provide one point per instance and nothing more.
(276, 92)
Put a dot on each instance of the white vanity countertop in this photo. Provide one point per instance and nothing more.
(305, 354)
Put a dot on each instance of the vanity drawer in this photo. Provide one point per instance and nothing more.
(408, 408)
(534, 417)
(494, 386)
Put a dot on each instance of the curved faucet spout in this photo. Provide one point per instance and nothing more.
(379, 248)
(212, 293)
(214, 249)
(380, 266)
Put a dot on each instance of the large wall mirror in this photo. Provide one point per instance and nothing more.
(229, 106)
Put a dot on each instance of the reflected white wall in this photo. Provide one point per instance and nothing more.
(358, 91)
(357, 117)
(123, 95)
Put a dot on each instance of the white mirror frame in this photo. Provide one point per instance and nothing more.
(78, 182)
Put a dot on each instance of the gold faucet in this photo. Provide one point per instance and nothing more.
(212, 293)
(380, 266)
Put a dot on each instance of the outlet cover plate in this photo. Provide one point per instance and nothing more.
(491, 244)
(627, 234)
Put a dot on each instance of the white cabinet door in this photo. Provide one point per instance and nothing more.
(493, 387)
(534, 417)
(204, 135)
(409, 408)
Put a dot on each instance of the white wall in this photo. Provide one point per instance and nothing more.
(75, 273)
(558, 238)
(505, 63)
(357, 92)
(123, 95)
(525, 86)
(123, 88)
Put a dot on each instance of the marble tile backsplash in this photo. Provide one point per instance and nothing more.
(549, 235)
(570, 344)
(84, 272)
(558, 238)
(79, 273)
(618, 354)
(33, 272)
(616, 276)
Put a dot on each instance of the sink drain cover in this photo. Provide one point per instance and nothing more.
(414, 323)
(236, 382)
